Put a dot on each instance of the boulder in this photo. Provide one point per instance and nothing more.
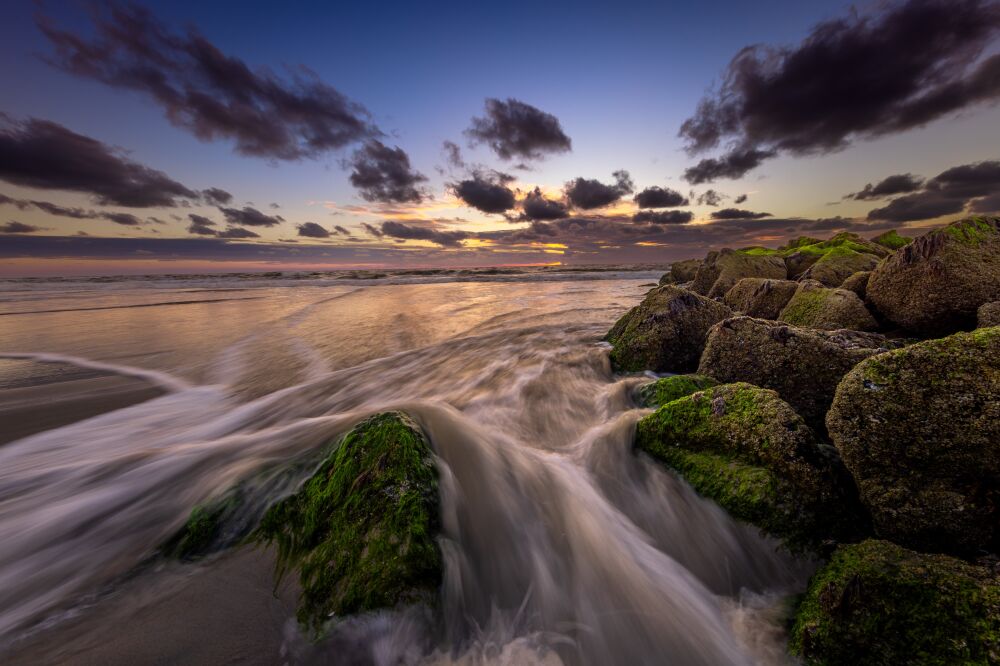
(858, 283)
(798, 263)
(892, 240)
(723, 269)
(876, 603)
(706, 274)
(919, 428)
(362, 532)
(988, 314)
(664, 333)
(748, 450)
(684, 271)
(838, 264)
(935, 285)
(804, 366)
(815, 306)
(668, 389)
(760, 297)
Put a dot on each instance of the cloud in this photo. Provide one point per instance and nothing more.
(211, 94)
(410, 232)
(896, 184)
(201, 225)
(341, 230)
(453, 155)
(238, 232)
(536, 207)
(901, 66)
(384, 174)
(918, 206)
(124, 219)
(710, 198)
(373, 230)
(989, 204)
(733, 164)
(512, 129)
(588, 194)
(250, 217)
(216, 196)
(312, 230)
(486, 192)
(663, 217)
(973, 187)
(737, 214)
(44, 155)
(13, 227)
(660, 197)
(741, 199)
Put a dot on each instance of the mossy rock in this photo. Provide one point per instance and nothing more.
(803, 365)
(664, 333)
(892, 240)
(734, 266)
(919, 428)
(748, 450)
(801, 241)
(838, 264)
(361, 532)
(988, 314)
(816, 306)
(707, 273)
(760, 297)
(876, 603)
(684, 271)
(935, 285)
(858, 283)
(668, 389)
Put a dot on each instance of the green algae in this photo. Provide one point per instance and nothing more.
(973, 230)
(668, 389)
(892, 240)
(804, 308)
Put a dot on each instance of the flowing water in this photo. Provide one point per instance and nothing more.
(561, 545)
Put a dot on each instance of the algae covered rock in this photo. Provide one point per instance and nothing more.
(919, 428)
(804, 366)
(668, 389)
(838, 264)
(664, 333)
(735, 265)
(858, 283)
(892, 240)
(684, 271)
(816, 306)
(988, 314)
(760, 297)
(935, 285)
(748, 450)
(877, 603)
(361, 532)
(707, 273)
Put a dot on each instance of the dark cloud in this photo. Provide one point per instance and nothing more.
(515, 129)
(710, 198)
(918, 206)
(968, 180)
(737, 214)
(238, 232)
(733, 164)
(44, 155)
(312, 230)
(216, 196)
(124, 219)
(663, 217)
(384, 174)
(211, 94)
(13, 227)
(453, 155)
(486, 192)
(63, 211)
(412, 232)
(373, 230)
(990, 204)
(905, 64)
(274, 206)
(536, 207)
(250, 217)
(201, 226)
(741, 199)
(897, 184)
(660, 197)
(969, 186)
(588, 194)
(341, 230)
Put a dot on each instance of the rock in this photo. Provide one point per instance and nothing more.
(706, 274)
(723, 269)
(664, 333)
(989, 314)
(892, 240)
(919, 428)
(748, 450)
(816, 306)
(804, 366)
(760, 297)
(838, 264)
(668, 389)
(361, 533)
(798, 263)
(858, 283)
(877, 603)
(801, 241)
(665, 279)
(935, 285)
(684, 271)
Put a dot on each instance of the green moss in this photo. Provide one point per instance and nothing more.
(668, 389)
(878, 603)
(196, 536)
(971, 231)
(804, 308)
(361, 531)
(758, 251)
(892, 240)
(800, 242)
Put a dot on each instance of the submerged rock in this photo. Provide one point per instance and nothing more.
(935, 285)
(816, 306)
(361, 532)
(988, 314)
(877, 603)
(892, 240)
(858, 283)
(748, 450)
(664, 333)
(668, 389)
(804, 366)
(919, 428)
(760, 297)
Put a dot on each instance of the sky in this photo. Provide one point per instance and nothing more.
(178, 137)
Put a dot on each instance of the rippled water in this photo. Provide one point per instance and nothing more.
(561, 544)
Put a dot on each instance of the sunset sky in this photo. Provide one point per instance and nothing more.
(215, 136)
